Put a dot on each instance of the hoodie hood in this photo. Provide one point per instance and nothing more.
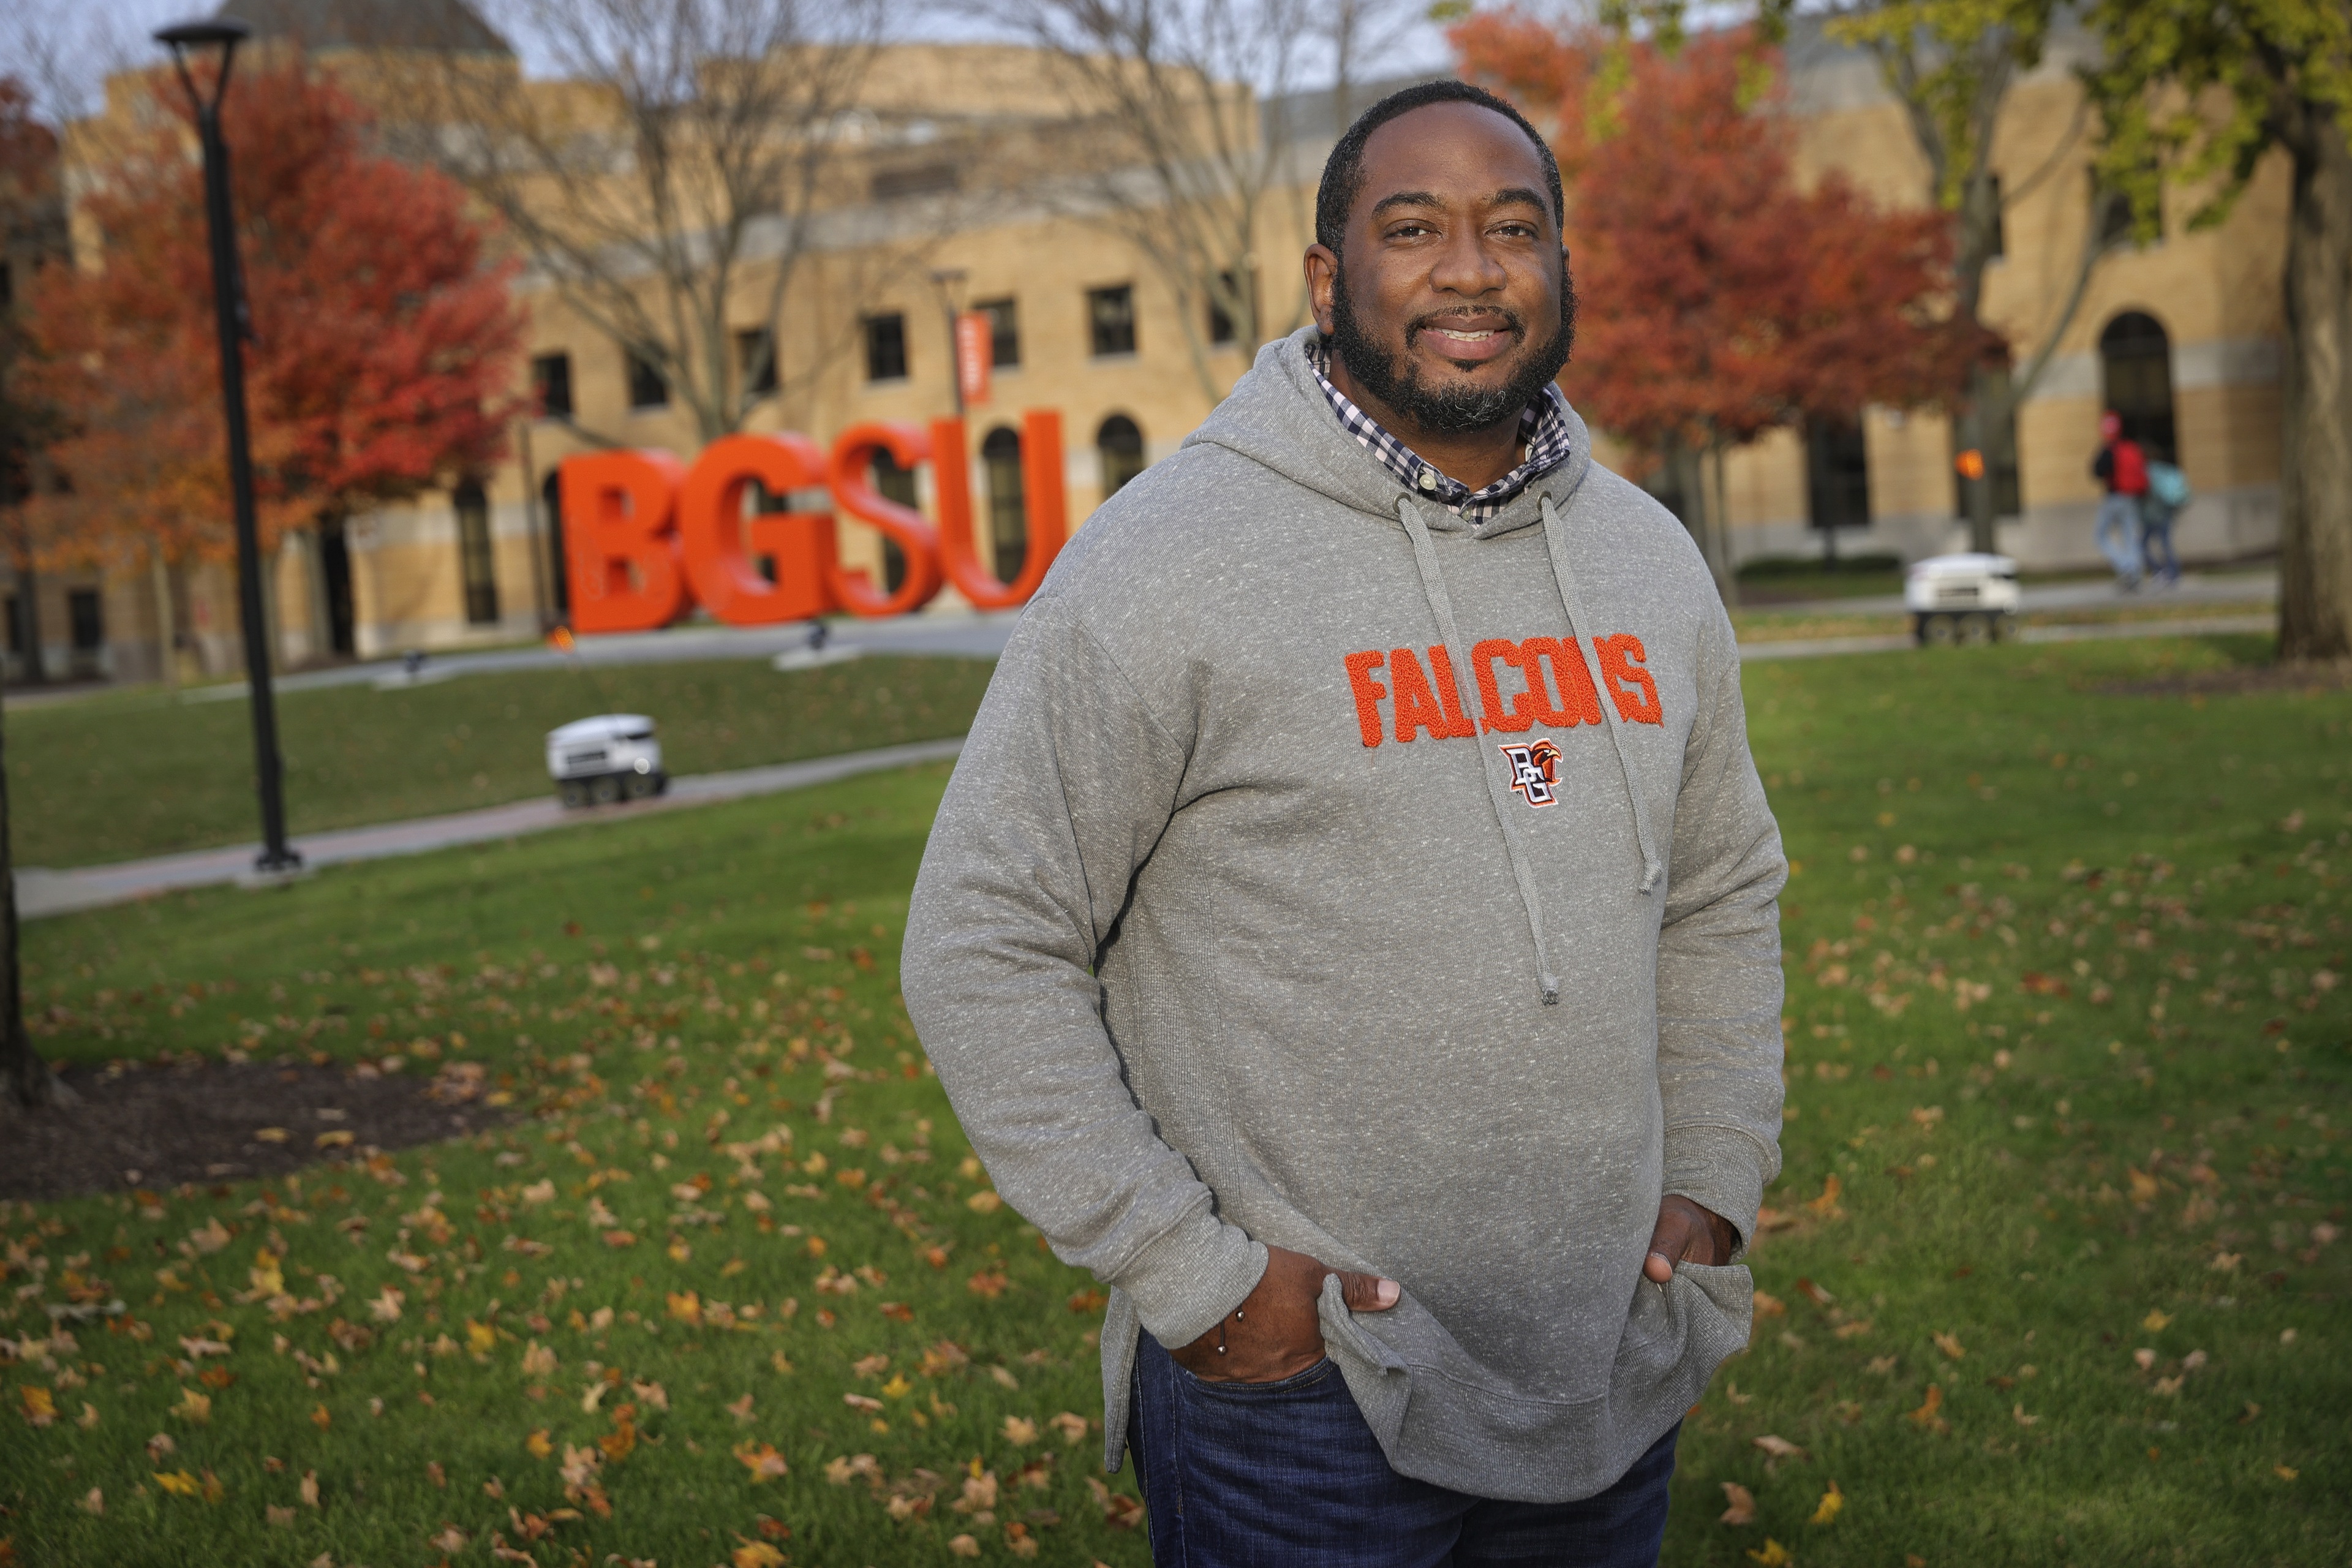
(1276, 416)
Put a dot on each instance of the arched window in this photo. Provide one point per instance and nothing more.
(2136, 381)
(1121, 446)
(552, 497)
(477, 567)
(1008, 506)
(892, 482)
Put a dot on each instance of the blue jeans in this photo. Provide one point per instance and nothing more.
(1288, 1475)
(2155, 541)
(2118, 534)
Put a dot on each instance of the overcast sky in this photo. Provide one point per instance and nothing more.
(71, 46)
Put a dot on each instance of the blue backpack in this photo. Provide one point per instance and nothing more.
(2169, 485)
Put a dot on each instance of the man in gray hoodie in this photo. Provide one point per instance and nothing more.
(1350, 929)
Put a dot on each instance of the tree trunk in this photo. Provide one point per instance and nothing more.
(30, 1082)
(28, 621)
(2315, 470)
(1978, 421)
(1718, 512)
(167, 629)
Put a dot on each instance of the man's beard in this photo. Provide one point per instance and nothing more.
(1448, 410)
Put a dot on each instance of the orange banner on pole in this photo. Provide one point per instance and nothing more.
(975, 355)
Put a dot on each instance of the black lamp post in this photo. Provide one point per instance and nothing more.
(224, 33)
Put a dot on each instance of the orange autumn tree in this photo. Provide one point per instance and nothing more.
(1719, 300)
(383, 332)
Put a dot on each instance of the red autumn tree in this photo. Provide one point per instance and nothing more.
(383, 332)
(1718, 300)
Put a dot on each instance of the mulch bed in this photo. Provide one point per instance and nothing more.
(156, 1125)
(2308, 679)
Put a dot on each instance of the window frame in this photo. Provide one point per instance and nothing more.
(874, 322)
(1095, 299)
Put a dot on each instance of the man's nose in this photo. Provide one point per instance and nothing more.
(1466, 267)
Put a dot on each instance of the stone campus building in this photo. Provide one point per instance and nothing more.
(2183, 337)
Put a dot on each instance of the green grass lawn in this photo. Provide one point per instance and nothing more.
(140, 773)
(2054, 1273)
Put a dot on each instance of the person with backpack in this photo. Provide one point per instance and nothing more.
(2122, 467)
(2168, 492)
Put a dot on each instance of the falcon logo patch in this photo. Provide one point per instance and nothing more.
(1534, 772)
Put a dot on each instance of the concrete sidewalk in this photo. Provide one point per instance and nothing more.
(41, 892)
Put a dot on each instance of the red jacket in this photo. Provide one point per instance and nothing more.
(2124, 467)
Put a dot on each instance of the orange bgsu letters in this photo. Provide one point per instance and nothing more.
(852, 457)
(1578, 703)
(619, 552)
(1522, 716)
(644, 535)
(1630, 685)
(711, 531)
(1041, 481)
(1449, 692)
(1367, 693)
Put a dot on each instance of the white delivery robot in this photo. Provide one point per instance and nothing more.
(612, 757)
(1967, 599)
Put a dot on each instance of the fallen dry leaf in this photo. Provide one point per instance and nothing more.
(1826, 1510)
(309, 1489)
(963, 1546)
(179, 1483)
(94, 1502)
(2017, 1414)
(1743, 1504)
(1950, 1346)
(1827, 1203)
(1774, 1554)
(538, 1444)
(1781, 1448)
(39, 1405)
(756, 1554)
(1814, 1293)
(1770, 1306)
(1925, 1415)
(762, 1460)
(1071, 1425)
(741, 1409)
(1020, 1432)
(2155, 1320)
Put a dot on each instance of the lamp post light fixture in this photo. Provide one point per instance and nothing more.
(223, 33)
(949, 281)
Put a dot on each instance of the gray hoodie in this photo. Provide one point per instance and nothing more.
(1325, 871)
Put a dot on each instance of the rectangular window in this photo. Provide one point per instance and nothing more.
(1004, 331)
(1221, 325)
(648, 386)
(1837, 473)
(476, 563)
(550, 382)
(7, 285)
(885, 348)
(1111, 319)
(755, 361)
(86, 619)
(916, 180)
(2000, 223)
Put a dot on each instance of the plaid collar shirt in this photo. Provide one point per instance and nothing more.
(1543, 429)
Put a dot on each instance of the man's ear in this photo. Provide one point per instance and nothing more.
(1322, 273)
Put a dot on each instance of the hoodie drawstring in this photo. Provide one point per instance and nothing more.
(1556, 541)
(1432, 585)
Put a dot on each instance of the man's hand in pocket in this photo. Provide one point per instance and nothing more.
(1275, 1332)
(1685, 1233)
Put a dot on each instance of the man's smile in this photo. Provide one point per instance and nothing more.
(1467, 340)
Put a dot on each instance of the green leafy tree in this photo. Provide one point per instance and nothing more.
(2195, 94)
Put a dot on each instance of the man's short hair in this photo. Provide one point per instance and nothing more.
(1343, 173)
